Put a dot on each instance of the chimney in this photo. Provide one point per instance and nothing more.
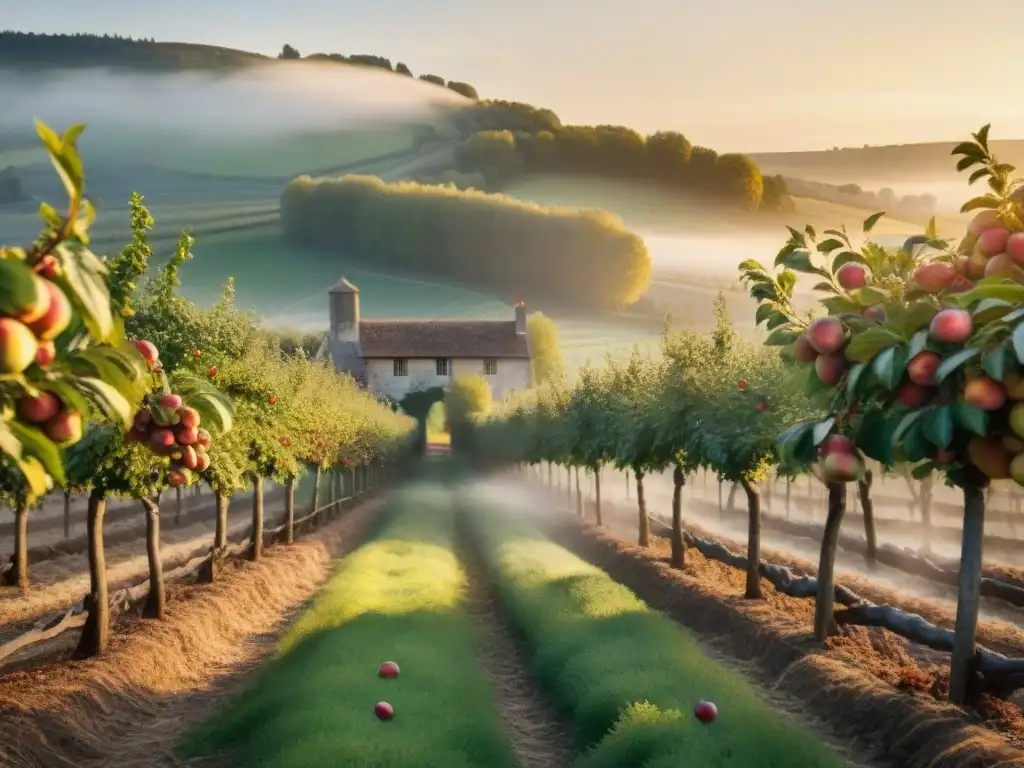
(521, 317)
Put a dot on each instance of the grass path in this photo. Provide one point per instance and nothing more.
(462, 699)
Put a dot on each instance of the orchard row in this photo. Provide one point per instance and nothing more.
(114, 385)
(916, 360)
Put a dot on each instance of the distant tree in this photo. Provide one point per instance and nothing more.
(403, 69)
(702, 164)
(369, 60)
(289, 53)
(668, 153)
(850, 189)
(433, 79)
(488, 151)
(467, 399)
(464, 89)
(775, 196)
(739, 179)
(547, 364)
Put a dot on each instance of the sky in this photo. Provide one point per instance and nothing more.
(735, 75)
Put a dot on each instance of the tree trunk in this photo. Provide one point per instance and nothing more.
(67, 514)
(968, 594)
(18, 575)
(644, 535)
(926, 511)
(568, 484)
(179, 505)
(731, 504)
(720, 507)
(550, 481)
(789, 494)
(256, 546)
(155, 601)
(316, 489)
(627, 486)
(867, 506)
(95, 633)
(753, 591)
(289, 510)
(220, 535)
(678, 543)
(597, 495)
(824, 604)
(579, 494)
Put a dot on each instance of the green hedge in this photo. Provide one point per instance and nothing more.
(396, 598)
(586, 257)
(627, 676)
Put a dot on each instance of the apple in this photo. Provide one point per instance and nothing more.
(176, 479)
(761, 407)
(172, 402)
(38, 307)
(189, 417)
(388, 669)
(38, 409)
(705, 711)
(212, 372)
(65, 428)
(383, 710)
(48, 267)
(148, 351)
(202, 462)
(46, 353)
(835, 444)
(852, 276)
(18, 346)
(196, 354)
(742, 384)
(203, 439)
(272, 400)
(188, 436)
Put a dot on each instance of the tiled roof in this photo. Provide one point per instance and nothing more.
(441, 338)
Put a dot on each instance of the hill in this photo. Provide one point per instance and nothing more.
(882, 162)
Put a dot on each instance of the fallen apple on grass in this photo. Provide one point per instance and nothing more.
(705, 711)
(383, 710)
(388, 670)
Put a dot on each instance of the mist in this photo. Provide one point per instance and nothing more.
(263, 102)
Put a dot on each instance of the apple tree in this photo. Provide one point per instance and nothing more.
(920, 359)
(63, 360)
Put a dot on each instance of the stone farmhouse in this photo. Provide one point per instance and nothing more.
(394, 357)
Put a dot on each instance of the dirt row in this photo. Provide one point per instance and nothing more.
(867, 685)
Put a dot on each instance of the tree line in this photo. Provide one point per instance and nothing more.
(665, 158)
(508, 246)
(117, 386)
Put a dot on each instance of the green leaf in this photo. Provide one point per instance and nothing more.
(875, 436)
(868, 296)
(800, 260)
(931, 231)
(112, 403)
(869, 343)
(764, 313)
(971, 418)
(986, 202)
(796, 442)
(993, 288)
(981, 173)
(821, 430)
(823, 286)
(870, 221)
(86, 276)
(994, 363)
(35, 443)
(918, 342)
(954, 361)
(982, 136)
(837, 305)
(1018, 341)
(988, 310)
(827, 246)
(889, 366)
(906, 424)
(913, 446)
(852, 380)
(781, 337)
(17, 286)
(938, 426)
(970, 149)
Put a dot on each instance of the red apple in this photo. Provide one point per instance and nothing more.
(176, 479)
(835, 444)
(148, 350)
(65, 428)
(38, 409)
(760, 407)
(388, 669)
(705, 711)
(172, 402)
(203, 439)
(46, 353)
(213, 371)
(189, 417)
(188, 436)
(383, 710)
(272, 400)
(196, 354)
(742, 384)
(202, 462)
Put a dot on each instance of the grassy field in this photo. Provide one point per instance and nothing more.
(281, 157)
(646, 208)
(628, 676)
(396, 598)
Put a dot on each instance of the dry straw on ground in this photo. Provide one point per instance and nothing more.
(129, 707)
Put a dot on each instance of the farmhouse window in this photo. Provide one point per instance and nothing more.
(401, 367)
(490, 367)
(442, 366)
